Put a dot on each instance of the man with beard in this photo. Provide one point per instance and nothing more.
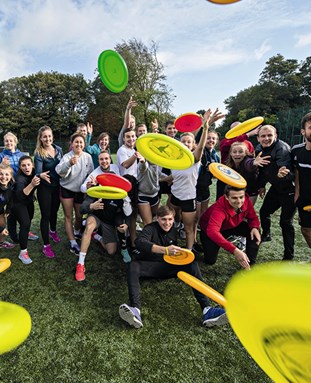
(301, 156)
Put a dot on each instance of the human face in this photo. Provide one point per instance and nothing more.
(236, 198)
(237, 153)
(78, 145)
(166, 222)
(306, 132)
(46, 138)
(5, 176)
(10, 143)
(83, 130)
(104, 142)
(211, 141)
(187, 141)
(132, 122)
(266, 137)
(104, 161)
(170, 130)
(129, 139)
(141, 130)
(26, 167)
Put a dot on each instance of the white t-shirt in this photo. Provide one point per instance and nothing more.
(96, 172)
(184, 182)
(123, 154)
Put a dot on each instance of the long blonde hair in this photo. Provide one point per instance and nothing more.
(39, 147)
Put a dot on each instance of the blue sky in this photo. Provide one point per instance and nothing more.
(210, 51)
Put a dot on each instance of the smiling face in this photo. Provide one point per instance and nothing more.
(104, 161)
(26, 167)
(46, 138)
(82, 129)
(188, 141)
(142, 129)
(78, 145)
(129, 139)
(166, 222)
(238, 152)
(266, 136)
(10, 142)
(306, 132)
(104, 142)
(236, 198)
(6, 175)
(211, 140)
(170, 130)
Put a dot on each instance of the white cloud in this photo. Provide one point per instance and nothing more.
(303, 40)
(262, 50)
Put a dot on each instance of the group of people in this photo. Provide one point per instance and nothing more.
(230, 223)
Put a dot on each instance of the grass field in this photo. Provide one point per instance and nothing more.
(78, 337)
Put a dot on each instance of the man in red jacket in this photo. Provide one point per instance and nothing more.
(231, 214)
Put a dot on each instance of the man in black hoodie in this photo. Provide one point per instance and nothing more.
(280, 175)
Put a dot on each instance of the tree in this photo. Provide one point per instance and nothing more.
(146, 84)
(53, 99)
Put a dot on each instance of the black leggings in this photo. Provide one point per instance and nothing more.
(24, 215)
(48, 198)
(152, 269)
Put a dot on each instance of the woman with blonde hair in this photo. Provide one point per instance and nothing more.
(47, 155)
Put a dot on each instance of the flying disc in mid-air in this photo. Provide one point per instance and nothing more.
(15, 326)
(114, 180)
(5, 263)
(307, 208)
(188, 122)
(244, 127)
(164, 151)
(183, 257)
(202, 287)
(223, 1)
(227, 175)
(269, 309)
(106, 192)
(112, 70)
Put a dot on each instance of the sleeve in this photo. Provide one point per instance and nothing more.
(38, 160)
(88, 139)
(283, 158)
(83, 187)
(144, 241)
(19, 186)
(63, 169)
(127, 207)
(91, 149)
(85, 207)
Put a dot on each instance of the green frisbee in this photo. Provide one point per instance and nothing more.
(113, 70)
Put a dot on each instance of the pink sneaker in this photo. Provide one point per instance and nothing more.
(6, 245)
(54, 236)
(48, 252)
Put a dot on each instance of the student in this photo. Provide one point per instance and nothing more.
(47, 157)
(26, 183)
(155, 240)
(73, 169)
(6, 189)
(279, 173)
(232, 214)
(301, 156)
(102, 143)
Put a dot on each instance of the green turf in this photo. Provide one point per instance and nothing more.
(78, 337)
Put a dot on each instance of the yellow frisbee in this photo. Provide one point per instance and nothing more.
(164, 151)
(5, 263)
(227, 175)
(269, 309)
(106, 192)
(183, 257)
(244, 127)
(202, 287)
(15, 326)
(307, 208)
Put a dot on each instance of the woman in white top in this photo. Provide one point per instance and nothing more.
(73, 169)
(184, 181)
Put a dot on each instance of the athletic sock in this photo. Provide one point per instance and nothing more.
(81, 258)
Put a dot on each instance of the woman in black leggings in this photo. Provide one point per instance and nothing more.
(47, 156)
(23, 202)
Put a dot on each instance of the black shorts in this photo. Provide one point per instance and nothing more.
(142, 199)
(203, 194)
(77, 197)
(304, 218)
(187, 206)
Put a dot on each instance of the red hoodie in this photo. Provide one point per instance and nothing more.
(221, 216)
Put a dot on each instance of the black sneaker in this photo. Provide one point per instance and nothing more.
(75, 249)
(266, 237)
(78, 236)
(215, 317)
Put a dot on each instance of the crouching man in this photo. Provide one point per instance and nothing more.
(155, 240)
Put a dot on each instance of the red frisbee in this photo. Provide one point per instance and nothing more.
(188, 122)
(111, 179)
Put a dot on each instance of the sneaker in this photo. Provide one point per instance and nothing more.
(47, 251)
(266, 237)
(234, 238)
(138, 227)
(75, 249)
(32, 236)
(54, 236)
(80, 272)
(130, 315)
(215, 317)
(24, 257)
(197, 247)
(240, 245)
(126, 256)
(78, 236)
(6, 245)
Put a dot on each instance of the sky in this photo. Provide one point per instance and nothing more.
(209, 51)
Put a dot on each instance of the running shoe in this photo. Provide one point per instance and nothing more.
(54, 236)
(130, 315)
(24, 257)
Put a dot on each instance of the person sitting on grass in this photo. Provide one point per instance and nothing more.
(155, 240)
(6, 186)
(232, 214)
(111, 217)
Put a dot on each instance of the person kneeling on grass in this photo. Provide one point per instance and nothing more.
(156, 239)
(232, 214)
(111, 216)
